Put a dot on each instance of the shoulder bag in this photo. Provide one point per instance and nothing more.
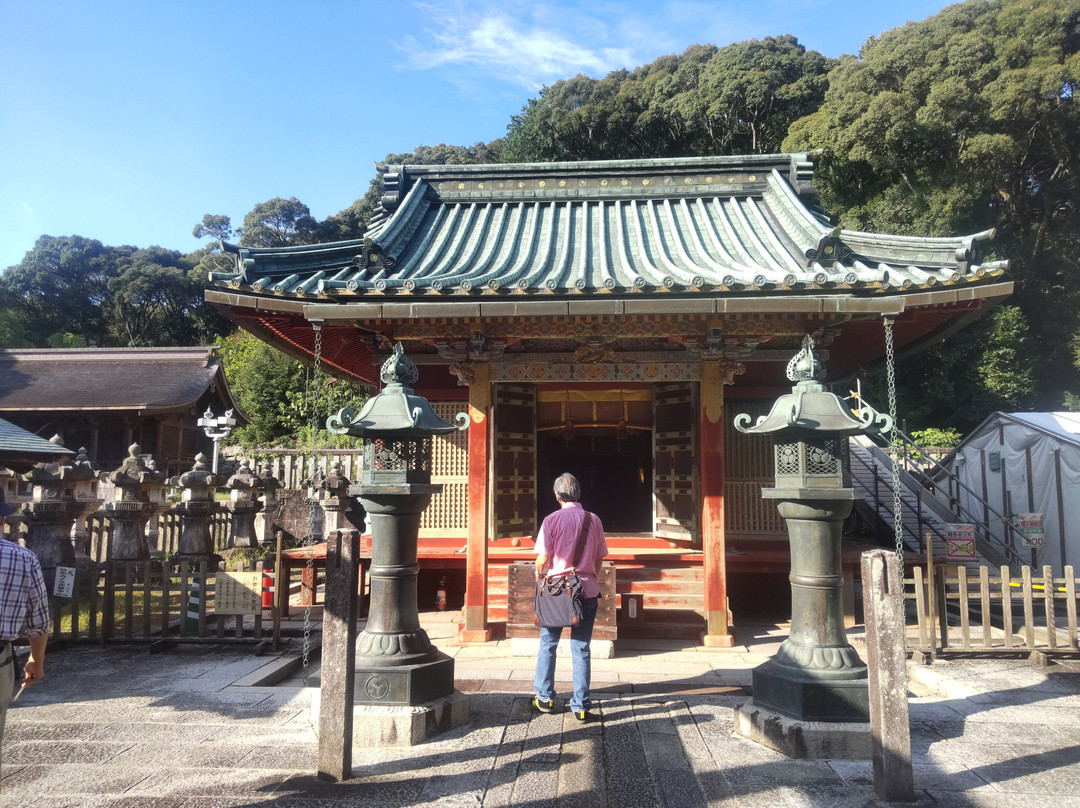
(558, 597)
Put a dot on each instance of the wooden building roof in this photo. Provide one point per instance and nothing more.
(709, 236)
(140, 380)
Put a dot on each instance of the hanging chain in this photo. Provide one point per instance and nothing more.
(313, 389)
(894, 437)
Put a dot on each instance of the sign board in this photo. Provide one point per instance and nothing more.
(1030, 527)
(960, 542)
(238, 593)
(65, 582)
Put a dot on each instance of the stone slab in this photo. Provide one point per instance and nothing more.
(816, 740)
(389, 726)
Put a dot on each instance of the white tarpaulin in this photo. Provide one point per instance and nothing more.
(1022, 461)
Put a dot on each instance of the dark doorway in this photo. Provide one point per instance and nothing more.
(615, 474)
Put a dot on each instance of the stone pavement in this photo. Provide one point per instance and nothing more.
(190, 727)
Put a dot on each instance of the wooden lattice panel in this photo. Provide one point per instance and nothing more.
(447, 515)
(748, 467)
(675, 476)
(514, 461)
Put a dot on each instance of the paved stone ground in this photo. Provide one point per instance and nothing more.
(181, 729)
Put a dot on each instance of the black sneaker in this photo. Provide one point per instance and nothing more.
(582, 715)
(543, 706)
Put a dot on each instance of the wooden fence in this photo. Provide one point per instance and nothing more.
(155, 600)
(981, 610)
(163, 537)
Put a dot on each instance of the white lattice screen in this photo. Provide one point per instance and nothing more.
(448, 513)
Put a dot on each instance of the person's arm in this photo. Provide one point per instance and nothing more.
(37, 625)
(601, 544)
(34, 669)
(541, 551)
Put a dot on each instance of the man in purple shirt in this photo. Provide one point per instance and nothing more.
(24, 612)
(555, 545)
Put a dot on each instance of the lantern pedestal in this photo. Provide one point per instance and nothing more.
(811, 699)
(816, 675)
(403, 688)
(395, 661)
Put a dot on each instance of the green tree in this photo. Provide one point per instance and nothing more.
(157, 300)
(964, 122)
(278, 222)
(708, 100)
(62, 286)
(11, 330)
(276, 392)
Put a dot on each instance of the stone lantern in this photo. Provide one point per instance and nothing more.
(196, 509)
(139, 495)
(264, 519)
(396, 664)
(244, 489)
(816, 675)
(61, 492)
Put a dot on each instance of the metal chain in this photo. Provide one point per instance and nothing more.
(894, 437)
(313, 389)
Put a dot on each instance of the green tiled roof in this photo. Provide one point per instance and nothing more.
(15, 440)
(723, 225)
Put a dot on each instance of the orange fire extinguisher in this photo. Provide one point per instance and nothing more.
(440, 595)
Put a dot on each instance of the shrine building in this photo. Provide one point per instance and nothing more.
(608, 319)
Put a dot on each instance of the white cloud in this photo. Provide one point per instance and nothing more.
(528, 49)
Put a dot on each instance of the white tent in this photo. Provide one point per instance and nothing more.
(1025, 463)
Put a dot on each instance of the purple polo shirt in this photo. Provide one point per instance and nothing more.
(558, 537)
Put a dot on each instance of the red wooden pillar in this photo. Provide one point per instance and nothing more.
(713, 541)
(475, 626)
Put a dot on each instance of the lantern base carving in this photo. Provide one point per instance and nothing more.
(404, 685)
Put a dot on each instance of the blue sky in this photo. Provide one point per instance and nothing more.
(127, 121)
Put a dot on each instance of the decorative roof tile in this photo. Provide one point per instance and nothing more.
(723, 225)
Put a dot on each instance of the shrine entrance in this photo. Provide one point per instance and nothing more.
(614, 469)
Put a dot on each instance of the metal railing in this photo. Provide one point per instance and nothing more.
(1004, 551)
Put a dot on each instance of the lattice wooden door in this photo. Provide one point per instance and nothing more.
(449, 511)
(514, 466)
(675, 481)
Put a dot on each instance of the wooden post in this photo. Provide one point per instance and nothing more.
(474, 626)
(931, 579)
(338, 656)
(281, 587)
(713, 544)
(886, 657)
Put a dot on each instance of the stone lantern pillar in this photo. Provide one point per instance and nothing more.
(264, 519)
(139, 495)
(61, 492)
(816, 675)
(335, 499)
(396, 663)
(244, 488)
(196, 508)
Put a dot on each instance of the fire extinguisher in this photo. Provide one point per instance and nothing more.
(440, 595)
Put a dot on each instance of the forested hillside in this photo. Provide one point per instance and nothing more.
(964, 122)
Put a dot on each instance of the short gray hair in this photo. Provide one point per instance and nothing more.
(567, 488)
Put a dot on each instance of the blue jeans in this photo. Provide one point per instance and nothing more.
(544, 683)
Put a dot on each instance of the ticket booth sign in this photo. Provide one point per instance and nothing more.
(960, 542)
(1030, 527)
